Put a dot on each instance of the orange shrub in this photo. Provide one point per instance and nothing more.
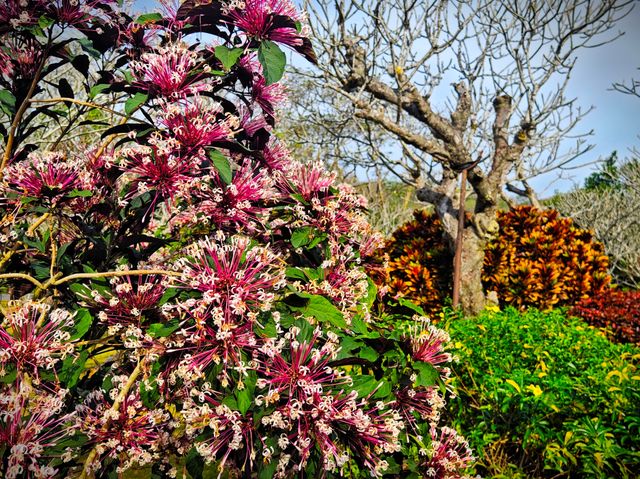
(538, 259)
(419, 263)
(541, 259)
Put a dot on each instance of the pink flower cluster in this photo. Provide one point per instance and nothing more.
(190, 286)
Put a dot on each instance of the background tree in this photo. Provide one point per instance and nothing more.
(609, 205)
(428, 88)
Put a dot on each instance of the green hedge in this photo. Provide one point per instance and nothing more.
(543, 395)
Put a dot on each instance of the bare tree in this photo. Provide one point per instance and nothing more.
(612, 212)
(448, 83)
(630, 88)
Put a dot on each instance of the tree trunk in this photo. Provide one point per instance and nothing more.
(472, 297)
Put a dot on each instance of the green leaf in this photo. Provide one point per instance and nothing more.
(72, 367)
(87, 46)
(412, 306)
(364, 384)
(45, 22)
(148, 18)
(372, 292)
(7, 98)
(268, 470)
(222, 165)
(273, 61)
(83, 321)
(194, 463)
(228, 56)
(384, 389)
(134, 102)
(427, 374)
(79, 194)
(161, 330)
(322, 309)
(82, 291)
(244, 399)
(301, 236)
(97, 89)
(230, 402)
(368, 353)
(296, 273)
(168, 294)
(10, 374)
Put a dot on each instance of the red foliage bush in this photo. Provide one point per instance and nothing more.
(617, 311)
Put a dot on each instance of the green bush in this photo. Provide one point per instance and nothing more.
(543, 395)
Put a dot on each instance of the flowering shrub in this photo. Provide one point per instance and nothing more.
(545, 395)
(538, 259)
(616, 311)
(179, 297)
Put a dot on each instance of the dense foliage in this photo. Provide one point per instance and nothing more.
(541, 259)
(418, 263)
(538, 259)
(181, 298)
(544, 395)
(616, 311)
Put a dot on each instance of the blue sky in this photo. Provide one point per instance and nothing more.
(615, 119)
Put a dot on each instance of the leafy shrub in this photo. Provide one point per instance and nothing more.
(543, 395)
(538, 259)
(418, 263)
(616, 311)
(180, 295)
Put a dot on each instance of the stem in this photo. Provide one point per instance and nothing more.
(86, 469)
(19, 114)
(112, 137)
(31, 279)
(54, 281)
(77, 102)
(54, 249)
(108, 274)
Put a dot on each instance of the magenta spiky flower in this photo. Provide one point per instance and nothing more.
(196, 124)
(134, 434)
(215, 339)
(428, 343)
(33, 337)
(301, 374)
(21, 13)
(275, 156)
(268, 97)
(158, 169)
(263, 20)
(171, 71)
(31, 422)
(234, 277)
(48, 176)
(226, 433)
(76, 13)
(449, 455)
(237, 204)
(419, 404)
(307, 180)
(129, 300)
